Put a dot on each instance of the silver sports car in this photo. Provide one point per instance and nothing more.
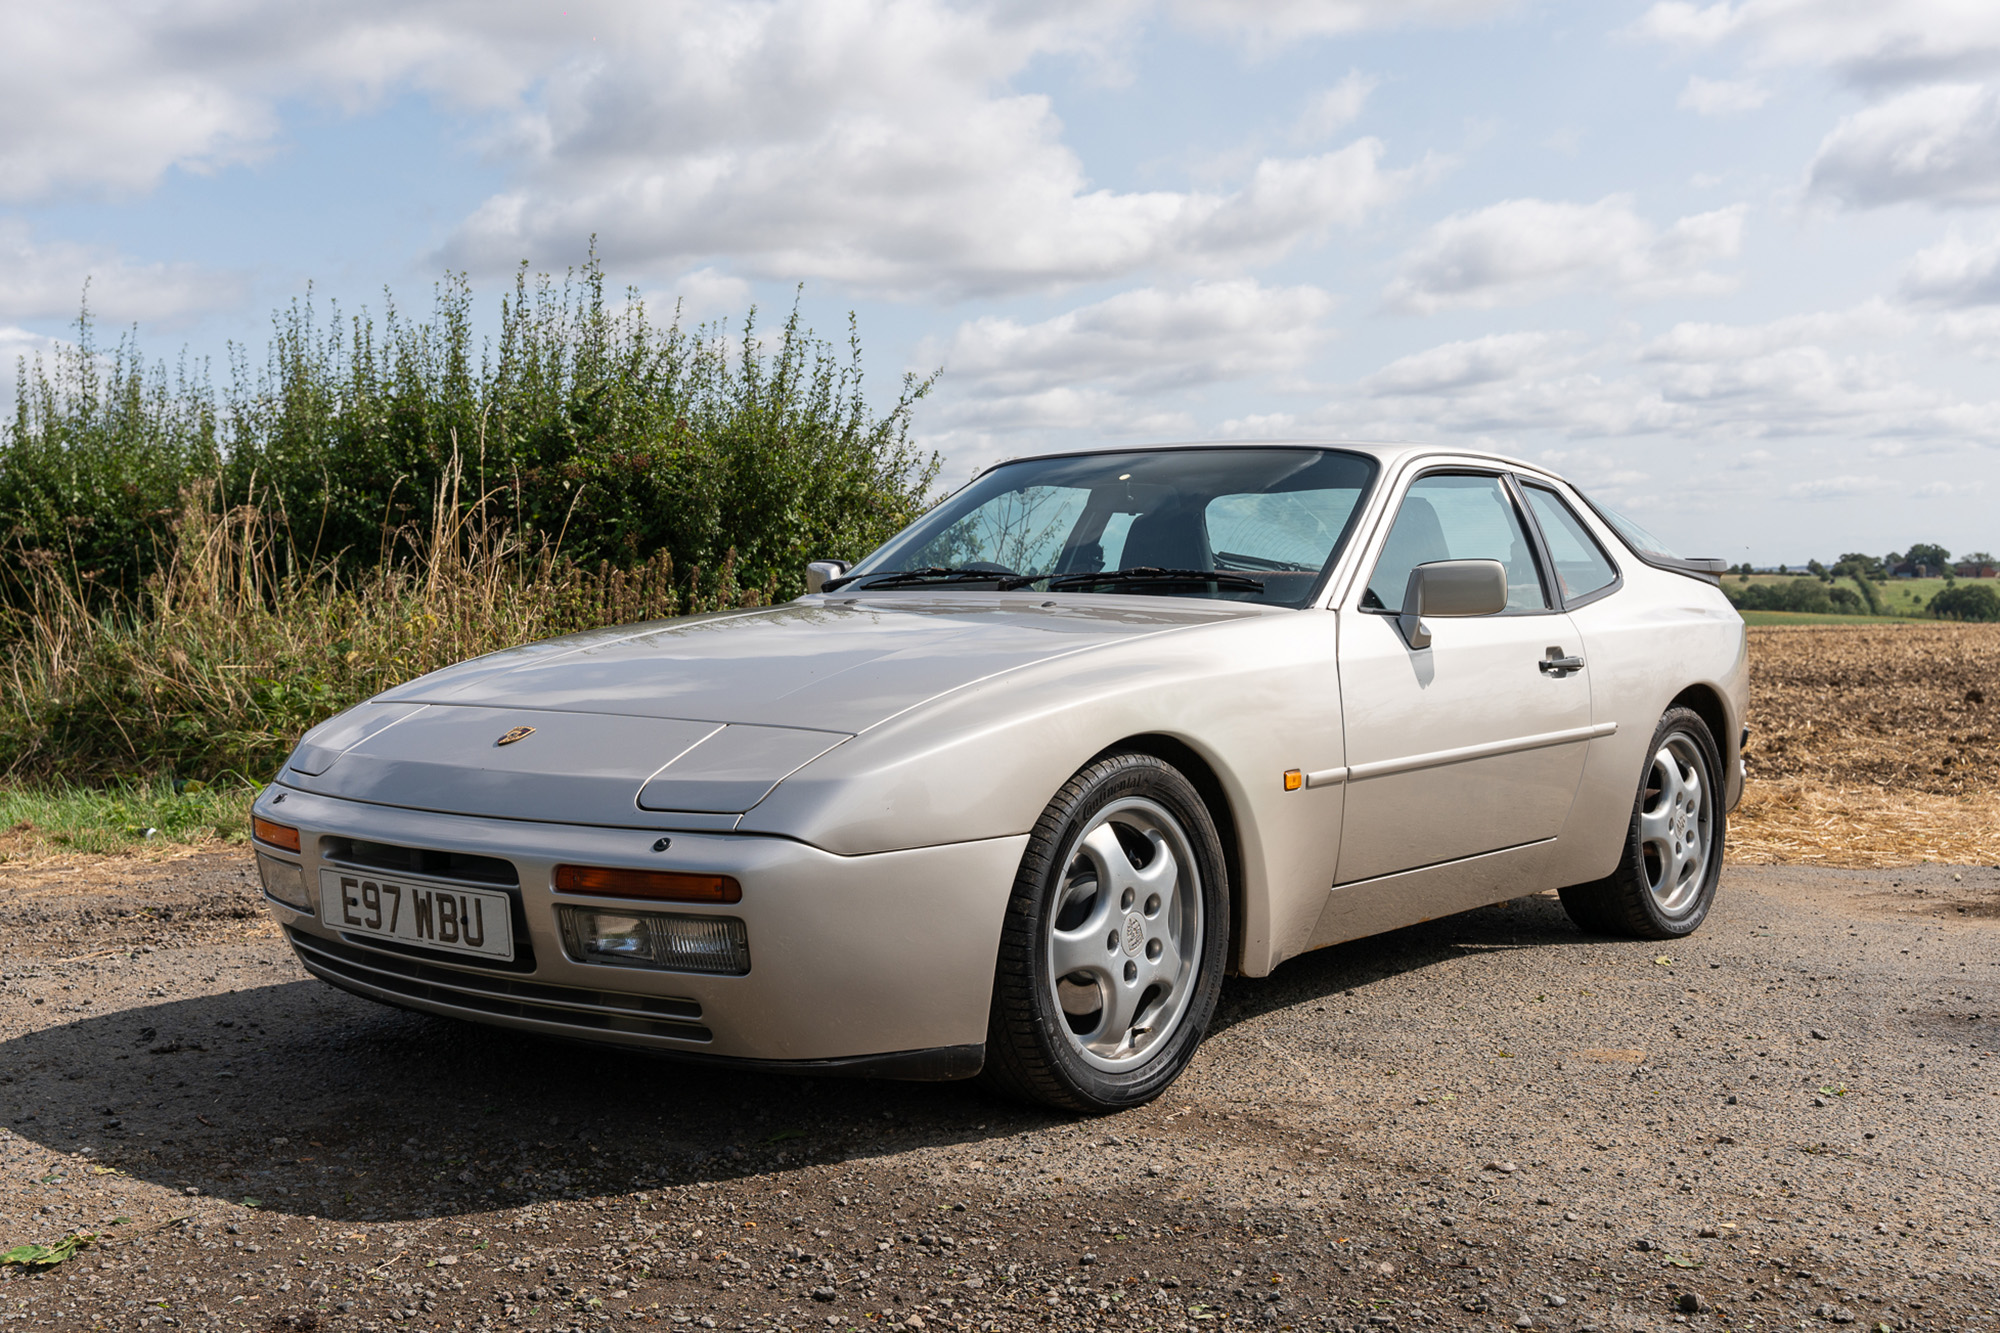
(1010, 796)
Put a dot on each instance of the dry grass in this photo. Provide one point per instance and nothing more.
(236, 647)
(1872, 746)
(1794, 822)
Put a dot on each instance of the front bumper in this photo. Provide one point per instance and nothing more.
(877, 964)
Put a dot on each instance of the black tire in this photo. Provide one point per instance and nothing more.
(1656, 893)
(1041, 1049)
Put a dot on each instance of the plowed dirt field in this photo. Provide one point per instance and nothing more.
(1872, 746)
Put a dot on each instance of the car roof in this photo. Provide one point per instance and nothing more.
(1386, 452)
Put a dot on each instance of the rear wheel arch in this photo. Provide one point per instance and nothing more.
(1706, 702)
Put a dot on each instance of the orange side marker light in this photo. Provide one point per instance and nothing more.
(278, 835)
(1294, 779)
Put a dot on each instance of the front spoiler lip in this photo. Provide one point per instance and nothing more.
(937, 1064)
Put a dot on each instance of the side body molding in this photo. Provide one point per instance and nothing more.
(1331, 777)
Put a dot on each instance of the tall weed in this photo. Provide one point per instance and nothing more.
(239, 642)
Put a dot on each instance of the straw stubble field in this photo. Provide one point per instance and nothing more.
(1872, 746)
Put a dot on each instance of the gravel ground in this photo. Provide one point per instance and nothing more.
(1485, 1122)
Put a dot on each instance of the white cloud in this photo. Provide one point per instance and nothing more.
(1938, 144)
(1525, 249)
(1334, 108)
(706, 293)
(1456, 366)
(1268, 19)
(1955, 272)
(1693, 342)
(1974, 333)
(98, 95)
(1893, 41)
(876, 145)
(1083, 367)
(1722, 97)
(45, 280)
(1839, 488)
(1817, 380)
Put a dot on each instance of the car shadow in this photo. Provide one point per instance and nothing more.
(1533, 922)
(311, 1101)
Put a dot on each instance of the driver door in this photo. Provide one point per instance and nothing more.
(1464, 756)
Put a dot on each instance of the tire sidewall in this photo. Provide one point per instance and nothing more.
(1689, 723)
(1114, 779)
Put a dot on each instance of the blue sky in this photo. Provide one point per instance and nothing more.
(1735, 267)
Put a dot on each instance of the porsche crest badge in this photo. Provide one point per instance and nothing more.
(517, 734)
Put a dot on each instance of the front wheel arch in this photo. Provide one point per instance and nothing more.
(1208, 783)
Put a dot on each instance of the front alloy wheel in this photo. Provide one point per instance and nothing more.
(1112, 954)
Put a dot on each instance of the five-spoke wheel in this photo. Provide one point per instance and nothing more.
(1676, 815)
(1672, 861)
(1124, 941)
(1113, 949)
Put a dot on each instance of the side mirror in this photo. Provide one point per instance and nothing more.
(1451, 588)
(819, 571)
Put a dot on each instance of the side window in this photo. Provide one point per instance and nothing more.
(1581, 565)
(1446, 517)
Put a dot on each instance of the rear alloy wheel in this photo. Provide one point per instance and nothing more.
(1112, 955)
(1666, 880)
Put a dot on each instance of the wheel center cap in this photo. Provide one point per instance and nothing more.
(1135, 933)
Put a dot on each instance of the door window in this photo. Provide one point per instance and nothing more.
(1457, 517)
(1582, 568)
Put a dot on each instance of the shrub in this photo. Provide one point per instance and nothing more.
(1966, 601)
(1805, 593)
(584, 425)
(193, 579)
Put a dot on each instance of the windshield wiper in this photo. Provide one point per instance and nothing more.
(1154, 574)
(928, 574)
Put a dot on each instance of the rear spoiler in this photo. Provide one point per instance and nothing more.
(1709, 569)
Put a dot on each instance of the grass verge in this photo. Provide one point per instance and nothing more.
(1815, 618)
(39, 820)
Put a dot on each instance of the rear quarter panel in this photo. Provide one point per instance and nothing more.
(1659, 635)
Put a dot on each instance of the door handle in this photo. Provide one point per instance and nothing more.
(1558, 665)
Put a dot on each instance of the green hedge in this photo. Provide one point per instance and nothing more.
(582, 424)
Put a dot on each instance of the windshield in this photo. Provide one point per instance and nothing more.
(1263, 523)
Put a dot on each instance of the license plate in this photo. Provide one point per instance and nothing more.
(432, 916)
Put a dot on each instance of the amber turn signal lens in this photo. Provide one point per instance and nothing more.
(1294, 779)
(668, 885)
(278, 835)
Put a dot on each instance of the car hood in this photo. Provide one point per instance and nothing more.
(704, 714)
